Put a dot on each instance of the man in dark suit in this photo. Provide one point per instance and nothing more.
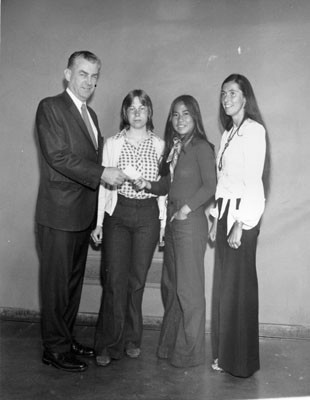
(70, 147)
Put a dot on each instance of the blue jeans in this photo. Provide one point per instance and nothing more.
(130, 238)
(182, 337)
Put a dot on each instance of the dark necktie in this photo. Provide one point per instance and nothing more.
(88, 125)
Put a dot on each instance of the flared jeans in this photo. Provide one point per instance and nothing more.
(182, 337)
(130, 236)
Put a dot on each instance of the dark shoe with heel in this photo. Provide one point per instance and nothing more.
(65, 361)
(80, 350)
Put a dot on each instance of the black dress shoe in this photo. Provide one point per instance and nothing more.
(80, 350)
(64, 361)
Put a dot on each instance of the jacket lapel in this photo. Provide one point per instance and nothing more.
(77, 116)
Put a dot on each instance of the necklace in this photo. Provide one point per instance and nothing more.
(229, 139)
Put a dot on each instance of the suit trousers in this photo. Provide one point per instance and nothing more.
(235, 303)
(62, 257)
(129, 240)
(182, 336)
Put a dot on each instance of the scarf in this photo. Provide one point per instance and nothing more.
(178, 145)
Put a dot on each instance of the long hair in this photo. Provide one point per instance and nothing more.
(199, 132)
(91, 57)
(251, 110)
(127, 102)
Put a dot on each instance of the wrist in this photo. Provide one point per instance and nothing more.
(102, 174)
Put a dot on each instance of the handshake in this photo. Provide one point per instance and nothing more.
(114, 176)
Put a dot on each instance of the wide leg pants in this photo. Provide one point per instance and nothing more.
(235, 303)
(130, 238)
(182, 337)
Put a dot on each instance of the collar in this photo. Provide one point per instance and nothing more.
(75, 100)
(185, 140)
(122, 134)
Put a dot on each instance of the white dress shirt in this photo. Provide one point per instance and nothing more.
(78, 104)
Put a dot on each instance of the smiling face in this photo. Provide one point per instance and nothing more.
(182, 121)
(137, 114)
(82, 78)
(233, 101)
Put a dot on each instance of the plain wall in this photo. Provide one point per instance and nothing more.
(167, 47)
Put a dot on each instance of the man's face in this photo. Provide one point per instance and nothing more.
(82, 78)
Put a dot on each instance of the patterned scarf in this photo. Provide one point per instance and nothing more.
(178, 145)
(174, 155)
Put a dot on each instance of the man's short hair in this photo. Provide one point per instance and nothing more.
(84, 54)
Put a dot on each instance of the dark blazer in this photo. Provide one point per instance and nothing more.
(70, 165)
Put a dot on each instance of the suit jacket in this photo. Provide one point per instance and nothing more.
(70, 165)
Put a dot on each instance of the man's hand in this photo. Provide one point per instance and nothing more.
(113, 176)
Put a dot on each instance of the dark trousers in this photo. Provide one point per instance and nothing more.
(235, 303)
(62, 257)
(129, 241)
(182, 337)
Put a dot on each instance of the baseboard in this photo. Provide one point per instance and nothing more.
(153, 322)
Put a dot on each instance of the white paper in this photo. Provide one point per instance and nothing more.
(131, 172)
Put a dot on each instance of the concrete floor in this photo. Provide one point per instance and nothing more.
(285, 372)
